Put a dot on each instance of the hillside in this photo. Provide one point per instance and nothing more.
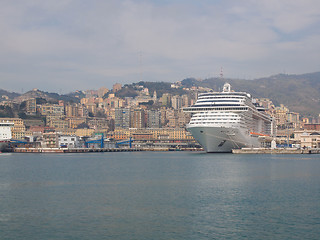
(301, 93)
(50, 97)
(10, 95)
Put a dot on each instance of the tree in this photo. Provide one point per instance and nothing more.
(111, 124)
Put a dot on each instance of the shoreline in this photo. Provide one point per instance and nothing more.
(234, 151)
(92, 150)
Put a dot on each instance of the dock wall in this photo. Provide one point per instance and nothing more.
(276, 151)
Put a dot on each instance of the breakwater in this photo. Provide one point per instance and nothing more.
(276, 151)
(92, 150)
(73, 150)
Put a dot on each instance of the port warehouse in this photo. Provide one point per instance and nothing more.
(149, 137)
(118, 138)
(49, 137)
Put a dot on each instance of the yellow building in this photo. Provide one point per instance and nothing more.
(84, 132)
(51, 109)
(67, 131)
(58, 123)
(157, 133)
(280, 114)
(74, 122)
(294, 119)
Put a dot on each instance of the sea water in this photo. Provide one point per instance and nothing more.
(159, 195)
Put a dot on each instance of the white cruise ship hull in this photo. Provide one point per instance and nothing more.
(222, 139)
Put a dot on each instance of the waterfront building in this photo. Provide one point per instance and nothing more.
(50, 140)
(84, 132)
(174, 134)
(118, 134)
(69, 141)
(308, 138)
(18, 130)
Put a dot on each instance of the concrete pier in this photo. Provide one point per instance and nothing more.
(276, 151)
(73, 150)
(89, 150)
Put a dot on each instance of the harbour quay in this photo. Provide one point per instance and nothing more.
(73, 150)
(93, 150)
(276, 151)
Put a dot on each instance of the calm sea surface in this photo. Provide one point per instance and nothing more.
(159, 195)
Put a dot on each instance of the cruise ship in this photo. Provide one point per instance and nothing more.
(5, 134)
(222, 121)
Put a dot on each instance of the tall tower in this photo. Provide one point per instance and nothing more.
(221, 73)
(155, 96)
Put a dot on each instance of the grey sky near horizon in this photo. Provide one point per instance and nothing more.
(63, 46)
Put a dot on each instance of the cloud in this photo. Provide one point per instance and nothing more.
(88, 43)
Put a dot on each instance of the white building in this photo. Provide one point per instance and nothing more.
(5, 130)
(69, 141)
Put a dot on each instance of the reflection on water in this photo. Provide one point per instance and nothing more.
(169, 195)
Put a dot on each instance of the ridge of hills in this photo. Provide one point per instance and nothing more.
(300, 93)
(36, 93)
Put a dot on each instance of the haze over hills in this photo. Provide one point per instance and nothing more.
(10, 95)
(36, 93)
(301, 93)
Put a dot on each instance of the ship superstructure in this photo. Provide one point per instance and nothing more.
(222, 121)
(5, 133)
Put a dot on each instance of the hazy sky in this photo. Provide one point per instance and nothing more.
(67, 45)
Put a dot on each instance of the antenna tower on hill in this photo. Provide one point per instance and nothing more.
(221, 73)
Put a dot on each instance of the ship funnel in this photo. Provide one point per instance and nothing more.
(226, 87)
